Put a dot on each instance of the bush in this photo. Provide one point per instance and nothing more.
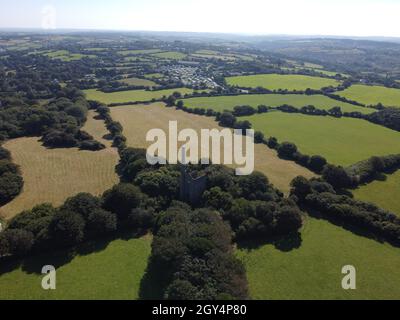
(272, 142)
(36, 221)
(353, 213)
(59, 139)
(141, 218)
(287, 150)
(10, 186)
(181, 290)
(121, 199)
(240, 111)
(227, 119)
(163, 182)
(83, 204)
(288, 219)
(101, 222)
(4, 154)
(259, 137)
(7, 166)
(368, 170)
(67, 228)
(15, 242)
(217, 199)
(91, 145)
(337, 177)
(317, 163)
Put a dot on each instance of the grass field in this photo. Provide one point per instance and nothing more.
(170, 55)
(136, 59)
(343, 141)
(372, 95)
(153, 75)
(138, 82)
(313, 271)
(214, 56)
(137, 52)
(96, 49)
(112, 272)
(278, 81)
(229, 102)
(52, 175)
(326, 72)
(138, 120)
(385, 194)
(211, 54)
(66, 56)
(132, 95)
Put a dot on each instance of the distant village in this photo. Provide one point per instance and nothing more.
(189, 76)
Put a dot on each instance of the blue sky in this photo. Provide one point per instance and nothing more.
(302, 17)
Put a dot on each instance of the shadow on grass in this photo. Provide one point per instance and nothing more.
(34, 263)
(282, 243)
(153, 284)
(359, 231)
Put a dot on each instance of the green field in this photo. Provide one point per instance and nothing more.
(66, 56)
(137, 52)
(279, 81)
(229, 102)
(154, 75)
(214, 56)
(138, 82)
(170, 55)
(343, 141)
(313, 271)
(132, 95)
(385, 194)
(372, 95)
(96, 49)
(326, 72)
(136, 59)
(110, 271)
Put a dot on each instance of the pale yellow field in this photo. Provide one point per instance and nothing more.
(138, 120)
(53, 175)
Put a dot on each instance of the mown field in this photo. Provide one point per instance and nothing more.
(372, 95)
(138, 82)
(296, 100)
(137, 120)
(313, 270)
(53, 175)
(385, 194)
(132, 95)
(108, 271)
(343, 141)
(171, 55)
(278, 81)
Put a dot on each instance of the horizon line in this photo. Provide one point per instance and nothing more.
(244, 34)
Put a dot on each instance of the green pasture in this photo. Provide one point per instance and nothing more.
(280, 81)
(108, 270)
(372, 95)
(343, 141)
(310, 267)
(229, 102)
(131, 95)
(385, 193)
